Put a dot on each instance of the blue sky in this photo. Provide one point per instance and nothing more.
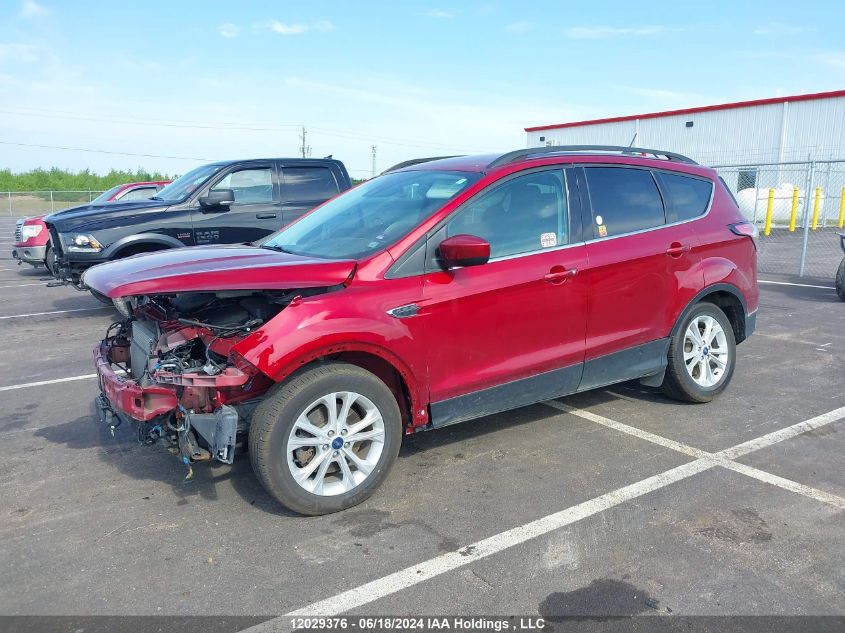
(188, 81)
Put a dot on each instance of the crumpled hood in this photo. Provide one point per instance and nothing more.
(214, 268)
(88, 216)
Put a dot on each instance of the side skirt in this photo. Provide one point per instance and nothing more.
(648, 359)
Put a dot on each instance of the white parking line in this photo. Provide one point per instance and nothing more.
(43, 283)
(47, 382)
(725, 458)
(415, 574)
(33, 314)
(786, 283)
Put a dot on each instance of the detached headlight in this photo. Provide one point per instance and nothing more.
(84, 244)
(28, 231)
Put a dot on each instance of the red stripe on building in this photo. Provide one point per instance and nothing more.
(711, 108)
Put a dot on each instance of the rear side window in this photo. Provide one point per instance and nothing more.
(308, 184)
(623, 200)
(686, 197)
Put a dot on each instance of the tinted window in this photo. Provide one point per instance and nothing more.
(141, 193)
(522, 215)
(251, 186)
(623, 200)
(308, 184)
(686, 197)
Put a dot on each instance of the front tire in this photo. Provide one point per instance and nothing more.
(840, 280)
(50, 260)
(702, 356)
(326, 439)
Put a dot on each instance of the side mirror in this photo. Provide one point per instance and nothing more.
(464, 250)
(218, 198)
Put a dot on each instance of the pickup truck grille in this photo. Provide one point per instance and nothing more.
(19, 231)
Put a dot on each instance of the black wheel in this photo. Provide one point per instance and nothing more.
(702, 356)
(50, 260)
(325, 439)
(101, 297)
(840, 280)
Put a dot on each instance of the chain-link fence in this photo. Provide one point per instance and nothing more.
(799, 208)
(25, 203)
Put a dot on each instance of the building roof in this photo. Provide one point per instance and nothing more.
(710, 108)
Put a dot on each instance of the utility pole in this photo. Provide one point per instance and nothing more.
(306, 150)
(374, 162)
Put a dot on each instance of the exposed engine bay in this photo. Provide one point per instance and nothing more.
(170, 370)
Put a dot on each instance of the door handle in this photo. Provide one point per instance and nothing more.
(265, 216)
(676, 249)
(559, 274)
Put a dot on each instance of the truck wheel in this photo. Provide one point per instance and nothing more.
(50, 260)
(324, 440)
(702, 356)
(840, 280)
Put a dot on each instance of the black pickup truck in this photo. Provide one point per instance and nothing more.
(229, 202)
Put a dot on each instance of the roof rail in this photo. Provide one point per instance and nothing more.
(563, 149)
(415, 161)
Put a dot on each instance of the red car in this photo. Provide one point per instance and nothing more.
(436, 293)
(32, 239)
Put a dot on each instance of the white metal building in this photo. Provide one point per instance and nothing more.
(761, 131)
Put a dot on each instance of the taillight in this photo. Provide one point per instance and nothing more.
(748, 229)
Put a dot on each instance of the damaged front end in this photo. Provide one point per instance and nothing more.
(170, 369)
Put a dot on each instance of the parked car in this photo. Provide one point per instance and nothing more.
(228, 202)
(32, 239)
(435, 293)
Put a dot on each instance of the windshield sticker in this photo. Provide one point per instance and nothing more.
(548, 240)
(602, 231)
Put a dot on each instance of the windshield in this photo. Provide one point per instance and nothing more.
(371, 216)
(104, 197)
(185, 185)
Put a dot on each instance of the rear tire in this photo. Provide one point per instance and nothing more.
(702, 356)
(840, 280)
(309, 459)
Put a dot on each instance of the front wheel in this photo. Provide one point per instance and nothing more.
(326, 439)
(840, 280)
(702, 356)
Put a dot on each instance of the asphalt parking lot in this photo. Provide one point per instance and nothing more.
(614, 502)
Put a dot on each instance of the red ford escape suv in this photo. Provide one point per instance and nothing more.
(438, 292)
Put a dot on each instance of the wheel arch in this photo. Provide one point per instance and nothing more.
(379, 362)
(141, 243)
(729, 299)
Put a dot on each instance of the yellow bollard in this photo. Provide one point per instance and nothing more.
(842, 209)
(816, 200)
(769, 208)
(794, 214)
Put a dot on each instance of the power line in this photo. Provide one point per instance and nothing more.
(105, 151)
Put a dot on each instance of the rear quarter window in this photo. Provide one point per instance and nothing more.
(624, 200)
(686, 197)
(308, 184)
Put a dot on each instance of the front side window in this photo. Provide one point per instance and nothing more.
(525, 214)
(106, 196)
(624, 200)
(687, 197)
(308, 184)
(372, 215)
(250, 186)
(140, 193)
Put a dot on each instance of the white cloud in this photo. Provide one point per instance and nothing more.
(31, 9)
(14, 52)
(440, 14)
(283, 28)
(778, 28)
(324, 26)
(602, 32)
(229, 30)
(519, 27)
(833, 59)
